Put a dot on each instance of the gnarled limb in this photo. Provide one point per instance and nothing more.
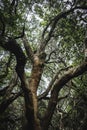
(53, 23)
(30, 88)
(59, 84)
(50, 86)
(4, 105)
(12, 46)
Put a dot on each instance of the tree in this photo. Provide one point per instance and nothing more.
(38, 36)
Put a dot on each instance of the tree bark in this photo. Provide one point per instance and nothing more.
(37, 71)
(59, 84)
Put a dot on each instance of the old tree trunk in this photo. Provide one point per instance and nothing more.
(38, 61)
(30, 87)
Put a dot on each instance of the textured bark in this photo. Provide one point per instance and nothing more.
(12, 46)
(50, 110)
(30, 88)
(72, 73)
(33, 84)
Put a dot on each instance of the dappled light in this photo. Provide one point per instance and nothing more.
(43, 65)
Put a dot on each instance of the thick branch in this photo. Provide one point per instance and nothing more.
(14, 48)
(72, 73)
(4, 105)
(44, 94)
(52, 24)
(61, 15)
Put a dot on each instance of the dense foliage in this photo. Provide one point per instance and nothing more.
(42, 64)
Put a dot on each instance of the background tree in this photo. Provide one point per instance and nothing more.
(42, 54)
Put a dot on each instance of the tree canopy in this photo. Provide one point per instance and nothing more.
(43, 64)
